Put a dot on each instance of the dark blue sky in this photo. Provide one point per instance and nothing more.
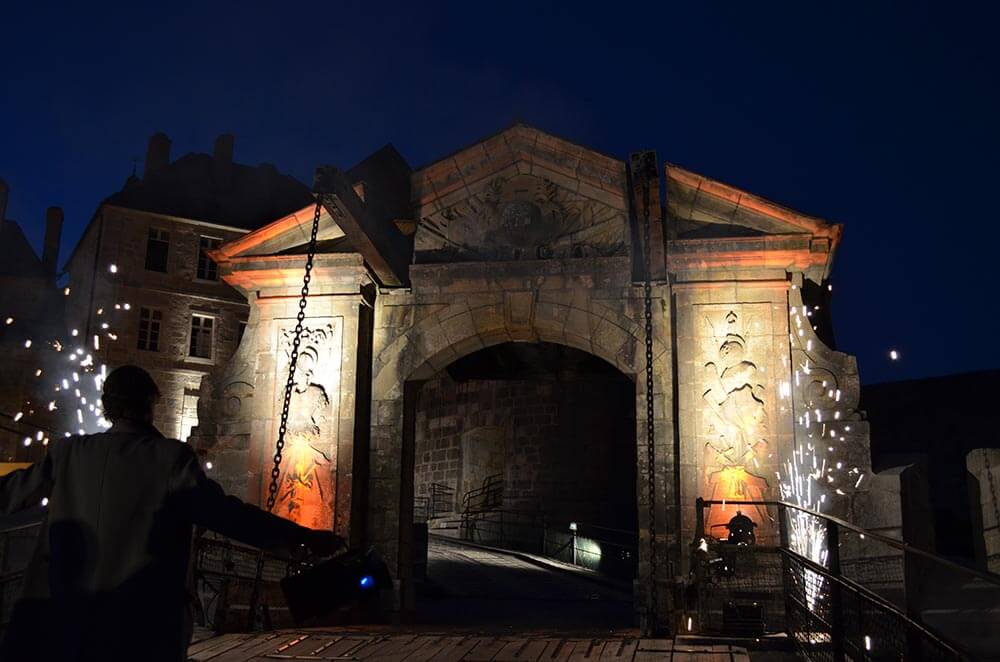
(880, 116)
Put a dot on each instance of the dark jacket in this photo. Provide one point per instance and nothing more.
(110, 570)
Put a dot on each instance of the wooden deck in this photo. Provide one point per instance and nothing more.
(423, 647)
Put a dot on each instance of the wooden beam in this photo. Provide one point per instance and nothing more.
(368, 224)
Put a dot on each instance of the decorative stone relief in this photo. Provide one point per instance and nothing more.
(735, 419)
(522, 217)
(306, 491)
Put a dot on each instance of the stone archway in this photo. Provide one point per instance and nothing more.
(437, 334)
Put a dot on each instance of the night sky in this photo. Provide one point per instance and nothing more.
(881, 117)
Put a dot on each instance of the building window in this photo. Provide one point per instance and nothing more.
(201, 337)
(149, 329)
(207, 269)
(157, 245)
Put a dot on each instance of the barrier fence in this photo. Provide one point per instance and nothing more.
(819, 565)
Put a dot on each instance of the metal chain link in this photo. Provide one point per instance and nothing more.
(650, 410)
(258, 617)
(279, 445)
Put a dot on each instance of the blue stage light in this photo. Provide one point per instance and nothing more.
(367, 581)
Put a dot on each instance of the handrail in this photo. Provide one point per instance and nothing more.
(871, 596)
(20, 527)
(892, 542)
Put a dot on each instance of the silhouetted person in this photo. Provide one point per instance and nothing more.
(109, 578)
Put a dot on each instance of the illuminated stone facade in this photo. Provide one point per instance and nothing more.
(527, 238)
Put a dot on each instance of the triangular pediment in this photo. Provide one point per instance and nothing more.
(702, 208)
(521, 194)
(287, 236)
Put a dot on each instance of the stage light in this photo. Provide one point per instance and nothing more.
(366, 581)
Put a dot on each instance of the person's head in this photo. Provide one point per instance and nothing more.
(129, 394)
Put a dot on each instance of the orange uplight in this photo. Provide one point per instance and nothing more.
(307, 486)
(733, 483)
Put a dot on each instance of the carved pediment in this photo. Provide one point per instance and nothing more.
(521, 217)
(521, 194)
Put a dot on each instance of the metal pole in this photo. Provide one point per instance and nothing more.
(784, 544)
(836, 597)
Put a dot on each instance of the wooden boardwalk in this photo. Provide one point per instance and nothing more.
(328, 644)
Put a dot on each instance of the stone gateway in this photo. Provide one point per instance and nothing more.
(514, 262)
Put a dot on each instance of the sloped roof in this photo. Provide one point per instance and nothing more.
(188, 188)
(17, 257)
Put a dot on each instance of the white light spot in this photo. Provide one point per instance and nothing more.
(894, 355)
(113, 268)
(27, 343)
(208, 465)
(45, 501)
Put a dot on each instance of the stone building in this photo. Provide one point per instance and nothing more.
(484, 314)
(30, 310)
(140, 276)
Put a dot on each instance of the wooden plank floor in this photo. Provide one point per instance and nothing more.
(327, 644)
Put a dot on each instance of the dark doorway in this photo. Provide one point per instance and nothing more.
(525, 477)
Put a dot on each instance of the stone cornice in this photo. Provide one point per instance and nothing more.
(286, 232)
(800, 253)
(284, 272)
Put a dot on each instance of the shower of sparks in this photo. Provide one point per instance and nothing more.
(75, 376)
(813, 474)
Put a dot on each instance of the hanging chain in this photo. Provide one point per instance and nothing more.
(293, 359)
(993, 488)
(258, 619)
(650, 410)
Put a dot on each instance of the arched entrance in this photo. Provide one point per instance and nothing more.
(416, 339)
(529, 448)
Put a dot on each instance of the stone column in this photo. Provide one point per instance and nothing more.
(325, 457)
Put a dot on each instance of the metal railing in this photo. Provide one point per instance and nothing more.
(439, 502)
(442, 500)
(224, 574)
(829, 614)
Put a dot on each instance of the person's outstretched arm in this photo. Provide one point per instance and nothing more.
(204, 501)
(25, 488)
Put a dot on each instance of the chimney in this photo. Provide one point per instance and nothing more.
(222, 160)
(157, 154)
(3, 199)
(53, 233)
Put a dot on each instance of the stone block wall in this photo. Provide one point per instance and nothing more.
(565, 450)
(984, 465)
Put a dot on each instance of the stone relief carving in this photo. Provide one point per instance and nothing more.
(305, 491)
(737, 421)
(521, 218)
